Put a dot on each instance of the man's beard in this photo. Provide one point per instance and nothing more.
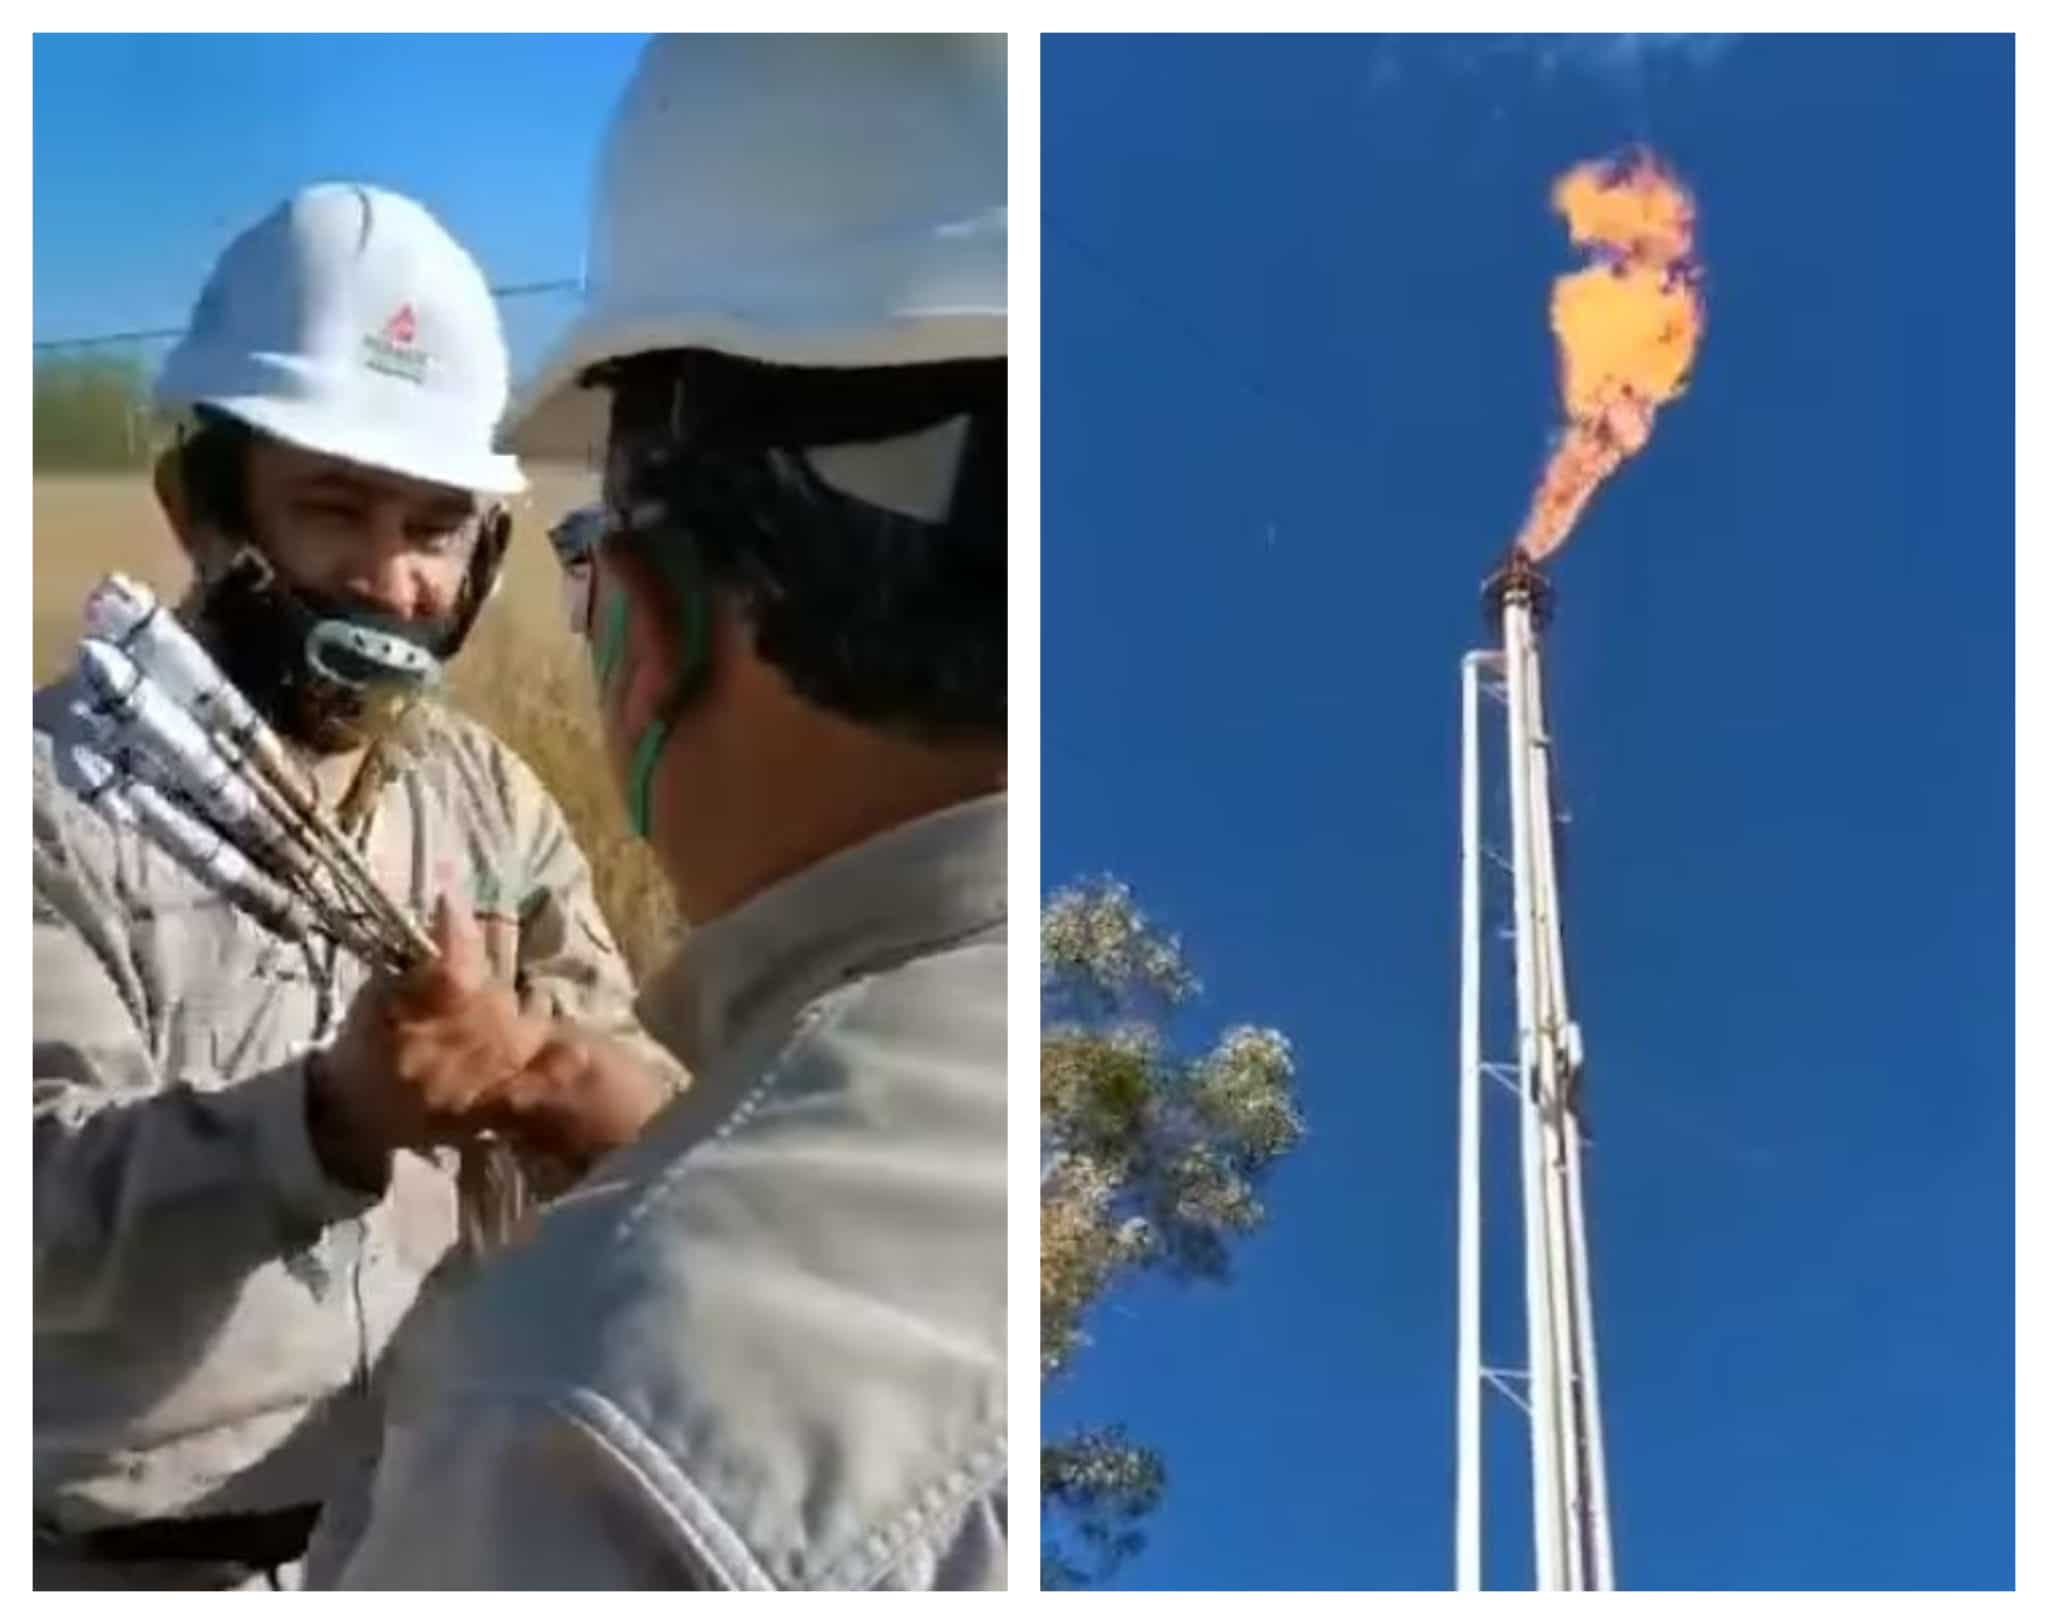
(257, 629)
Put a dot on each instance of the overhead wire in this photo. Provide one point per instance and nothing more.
(154, 335)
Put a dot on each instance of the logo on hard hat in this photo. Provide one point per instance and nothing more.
(391, 351)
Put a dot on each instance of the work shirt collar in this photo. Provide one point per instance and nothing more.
(907, 890)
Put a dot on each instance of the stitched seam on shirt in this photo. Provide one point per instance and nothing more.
(896, 958)
(877, 1549)
(881, 1545)
(713, 1544)
(818, 1017)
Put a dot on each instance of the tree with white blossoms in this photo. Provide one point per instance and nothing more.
(1149, 1159)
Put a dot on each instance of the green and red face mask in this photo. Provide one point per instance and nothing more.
(599, 611)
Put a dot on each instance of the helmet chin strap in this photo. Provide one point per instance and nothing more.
(481, 579)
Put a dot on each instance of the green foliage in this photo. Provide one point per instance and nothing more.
(92, 413)
(1097, 949)
(1102, 1485)
(1149, 1159)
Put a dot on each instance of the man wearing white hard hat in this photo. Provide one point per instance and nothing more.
(242, 1137)
(764, 1344)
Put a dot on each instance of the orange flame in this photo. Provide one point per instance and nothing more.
(1626, 326)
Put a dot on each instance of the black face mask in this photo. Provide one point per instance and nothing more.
(321, 670)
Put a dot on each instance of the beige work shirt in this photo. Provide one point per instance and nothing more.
(207, 1302)
(763, 1346)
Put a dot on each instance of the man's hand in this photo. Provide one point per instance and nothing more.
(418, 1060)
(580, 1097)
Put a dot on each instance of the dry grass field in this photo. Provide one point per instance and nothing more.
(522, 675)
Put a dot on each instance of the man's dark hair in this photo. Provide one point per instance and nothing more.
(894, 621)
(213, 459)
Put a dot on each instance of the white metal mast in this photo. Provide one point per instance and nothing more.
(1468, 1142)
(1568, 1476)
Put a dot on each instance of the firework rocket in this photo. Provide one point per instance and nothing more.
(127, 615)
(194, 841)
(104, 783)
(131, 709)
(163, 749)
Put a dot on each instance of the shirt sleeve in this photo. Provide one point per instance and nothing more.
(148, 1189)
(502, 1494)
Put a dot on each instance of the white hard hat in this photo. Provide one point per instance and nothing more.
(348, 322)
(812, 200)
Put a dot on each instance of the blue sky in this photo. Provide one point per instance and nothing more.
(1297, 384)
(151, 152)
